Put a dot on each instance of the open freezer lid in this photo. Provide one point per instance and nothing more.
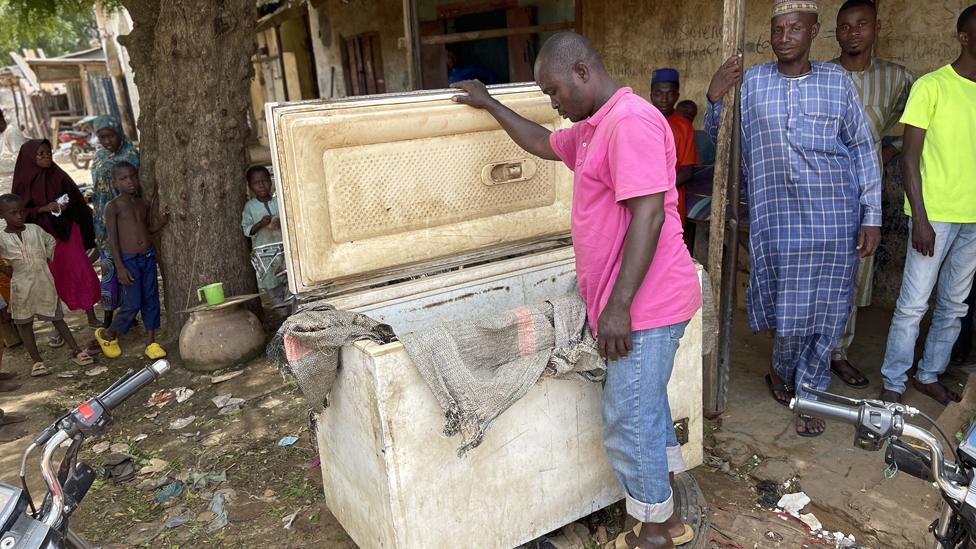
(369, 186)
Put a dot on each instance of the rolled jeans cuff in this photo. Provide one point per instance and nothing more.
(650, 512)
(676, 461)
(926, 378)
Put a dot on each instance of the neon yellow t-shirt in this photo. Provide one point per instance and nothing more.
(944, 104)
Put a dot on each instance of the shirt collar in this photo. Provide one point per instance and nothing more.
(602, 112)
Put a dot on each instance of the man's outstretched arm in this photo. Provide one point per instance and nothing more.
(527, 134)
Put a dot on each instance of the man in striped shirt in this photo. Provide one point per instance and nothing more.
(883, 87)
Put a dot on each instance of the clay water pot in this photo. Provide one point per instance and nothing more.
(217, 336)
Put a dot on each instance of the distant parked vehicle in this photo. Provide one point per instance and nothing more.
(79, 142)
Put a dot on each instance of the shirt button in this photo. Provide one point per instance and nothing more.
(584, 144)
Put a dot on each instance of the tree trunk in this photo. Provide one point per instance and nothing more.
(192, 64)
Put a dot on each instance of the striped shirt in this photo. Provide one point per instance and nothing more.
(883, 88)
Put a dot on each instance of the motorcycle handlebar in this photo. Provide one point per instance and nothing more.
(114, 396)
(852, 415)
(826, 410)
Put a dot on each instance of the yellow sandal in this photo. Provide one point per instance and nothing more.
(111, 348)
(621, 541)
(155, 351)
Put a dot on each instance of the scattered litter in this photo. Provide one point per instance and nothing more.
(222, 401)
(290, 519)
(119, 447)
(120, 467)
(177, 521)
(154, 466)
(288, 440)
(159, 398)
(66, 375)
(231, 409)
(183, 394)
(96, 371)
(217, 504)
(140, 437)
(152, 484)
(198, 480)
(768, 494)
(101, 447)
(226, 377)
(170, 491)
(151, 415)
(314, 464)
(268, 496)
(811, 521)
(228, 404)
(182, 422)
(793, 503)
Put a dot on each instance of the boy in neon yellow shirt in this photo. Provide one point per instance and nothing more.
(939, 171)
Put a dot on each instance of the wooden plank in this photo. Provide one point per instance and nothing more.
(715, 379)
(433, 57)
(366, 47)
(411, 34)
(293, 82)
(493, 33)
(378, 74)
(446, 11)
(521, 49)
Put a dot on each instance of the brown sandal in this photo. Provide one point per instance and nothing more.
(39, 370)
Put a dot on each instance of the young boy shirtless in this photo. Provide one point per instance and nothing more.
(128, 218)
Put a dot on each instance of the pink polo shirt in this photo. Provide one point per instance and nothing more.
(626, 149)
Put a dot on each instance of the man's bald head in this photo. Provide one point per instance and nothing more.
(563, 52)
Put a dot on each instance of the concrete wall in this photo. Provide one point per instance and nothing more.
(637, 36)
(332, 20)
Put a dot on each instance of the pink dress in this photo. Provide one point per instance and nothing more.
(74, 277)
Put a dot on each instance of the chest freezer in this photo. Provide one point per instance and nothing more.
(415, 210)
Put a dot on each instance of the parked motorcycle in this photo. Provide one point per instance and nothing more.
(47, 527)
(880, 424)
(79, 143)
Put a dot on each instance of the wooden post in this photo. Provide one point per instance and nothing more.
(715, 371)
(114, 65)
(411, 38)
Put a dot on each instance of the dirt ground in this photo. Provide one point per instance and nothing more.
(266, 484)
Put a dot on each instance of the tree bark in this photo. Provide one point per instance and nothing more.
(192, 64)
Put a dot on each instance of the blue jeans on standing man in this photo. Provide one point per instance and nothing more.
(952, 267)
(638, 430)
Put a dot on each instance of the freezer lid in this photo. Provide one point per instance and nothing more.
(371, 186)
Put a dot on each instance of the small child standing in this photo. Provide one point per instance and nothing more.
(27, 248)
(128, 219)
(262, 225)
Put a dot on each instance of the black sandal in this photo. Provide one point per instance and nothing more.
(859, 385)
(781, 387)
(807, 420)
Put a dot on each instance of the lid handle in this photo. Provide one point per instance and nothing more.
(509, 171)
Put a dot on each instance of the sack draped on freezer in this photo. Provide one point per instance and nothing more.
(477, 368)
(307, 345)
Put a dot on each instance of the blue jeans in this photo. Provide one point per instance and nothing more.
(142, 296)
(638, 431)
(955, 259)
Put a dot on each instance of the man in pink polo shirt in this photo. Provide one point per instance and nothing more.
(633, 269)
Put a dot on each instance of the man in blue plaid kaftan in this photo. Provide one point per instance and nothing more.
(810, 167)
